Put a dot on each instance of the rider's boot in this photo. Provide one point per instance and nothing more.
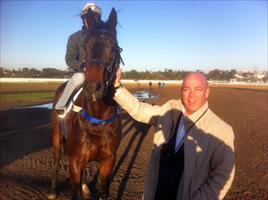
(75, 81)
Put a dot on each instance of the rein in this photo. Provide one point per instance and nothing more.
(113, 66)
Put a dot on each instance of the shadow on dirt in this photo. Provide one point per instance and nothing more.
(23, 131)
(139, 134)
(27, 130)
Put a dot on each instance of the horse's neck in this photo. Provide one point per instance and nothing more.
(98, 108)
(101, 110)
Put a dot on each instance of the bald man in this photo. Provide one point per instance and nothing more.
(193, 149)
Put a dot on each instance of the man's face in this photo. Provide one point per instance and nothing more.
(194, 92)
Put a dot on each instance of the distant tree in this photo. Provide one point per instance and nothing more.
(167, 74)
(52, 73)
(2, 72)
(265, 78)
(231, 74)
(133, 74)
(214, 74)
(35, 73)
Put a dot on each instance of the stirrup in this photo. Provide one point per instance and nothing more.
(64, 111)
(61, 112)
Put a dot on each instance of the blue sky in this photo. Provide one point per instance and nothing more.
(154, 35)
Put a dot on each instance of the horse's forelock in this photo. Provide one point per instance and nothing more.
(101, 26)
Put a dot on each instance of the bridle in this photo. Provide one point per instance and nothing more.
(109, 77)
(110, 68)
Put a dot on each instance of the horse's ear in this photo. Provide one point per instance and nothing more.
(112, 20)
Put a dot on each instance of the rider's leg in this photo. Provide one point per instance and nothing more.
(75, 81)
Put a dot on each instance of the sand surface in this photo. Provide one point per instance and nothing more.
(26, 156)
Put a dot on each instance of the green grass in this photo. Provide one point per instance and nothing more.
(25, 97)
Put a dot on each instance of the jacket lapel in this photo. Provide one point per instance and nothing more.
(191, 147)
(176, 112)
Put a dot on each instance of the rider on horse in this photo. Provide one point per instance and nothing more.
(75, 57)
(92, 131)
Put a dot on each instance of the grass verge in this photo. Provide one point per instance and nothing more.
(9, 100)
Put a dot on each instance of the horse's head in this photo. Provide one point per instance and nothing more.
(102, 56)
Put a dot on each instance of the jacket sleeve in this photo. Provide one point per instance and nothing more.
(142, 112)
(222, 170)
(72, 53)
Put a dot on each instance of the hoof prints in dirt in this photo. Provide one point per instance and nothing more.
(29, 177)
(16, 190)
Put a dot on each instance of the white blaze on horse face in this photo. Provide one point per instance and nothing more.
(94, 99)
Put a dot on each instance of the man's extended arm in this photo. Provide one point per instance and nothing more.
(142, 112)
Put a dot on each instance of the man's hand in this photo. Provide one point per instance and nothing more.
(117, 81)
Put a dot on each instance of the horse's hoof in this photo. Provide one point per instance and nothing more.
(85, 191)
(104, 198)
(52, 196)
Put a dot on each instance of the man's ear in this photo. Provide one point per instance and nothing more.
(112, 20)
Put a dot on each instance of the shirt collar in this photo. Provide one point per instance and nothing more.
(194, 116)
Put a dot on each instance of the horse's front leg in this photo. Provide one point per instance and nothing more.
(85, 189)
(52, 193)
(76, 178)
(106, 168)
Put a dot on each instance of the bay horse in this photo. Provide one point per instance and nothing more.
(93, 125)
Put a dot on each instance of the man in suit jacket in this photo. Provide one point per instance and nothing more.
(193, 153)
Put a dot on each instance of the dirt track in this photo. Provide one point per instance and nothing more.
(27, 158)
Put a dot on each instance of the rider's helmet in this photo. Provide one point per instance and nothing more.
(94, 8)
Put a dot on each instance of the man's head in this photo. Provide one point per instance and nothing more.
(194, 92)
(89, 12)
